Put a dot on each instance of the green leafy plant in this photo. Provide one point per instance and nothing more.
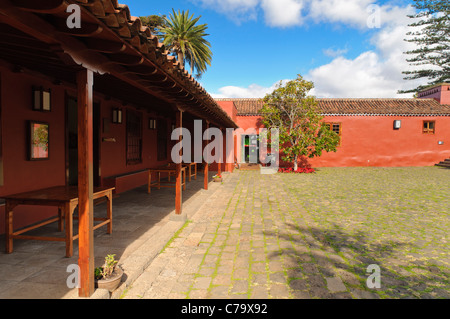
(187, 39)
(296, 115)
(107, 269)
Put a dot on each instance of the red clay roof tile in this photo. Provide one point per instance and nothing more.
(131, 30)
(408, 107)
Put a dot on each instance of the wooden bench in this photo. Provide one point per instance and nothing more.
(192, 171)
(127, 181)
(63, 197)
(170, 170)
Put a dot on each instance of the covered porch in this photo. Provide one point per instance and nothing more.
(110, 96)
(142, 227)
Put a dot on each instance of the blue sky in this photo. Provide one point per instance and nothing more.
(348, 48)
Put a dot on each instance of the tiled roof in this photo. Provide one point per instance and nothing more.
(368, 107)
(117, 17)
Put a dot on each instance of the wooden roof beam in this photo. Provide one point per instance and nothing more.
(41, 6)
(104, 46)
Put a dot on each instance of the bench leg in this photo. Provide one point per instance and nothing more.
(159, 180)
(109, 213)
(68, 213)
(60, 219)
(9, 228)
(149, 190)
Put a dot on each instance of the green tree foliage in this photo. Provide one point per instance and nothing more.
(432, 36)
(183, 36)
(296, 115)
(155, 23)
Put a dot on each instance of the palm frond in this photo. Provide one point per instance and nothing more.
(185, 37)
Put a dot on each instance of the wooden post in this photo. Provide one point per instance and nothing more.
(9, 226)
(219, 164)
(178, 191)
(205, 162)
(85, 83)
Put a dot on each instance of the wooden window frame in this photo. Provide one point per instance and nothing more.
(427, 130)
(330, 125)
(161, 139)
(134, 137)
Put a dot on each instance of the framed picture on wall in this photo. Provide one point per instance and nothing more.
(38, 141)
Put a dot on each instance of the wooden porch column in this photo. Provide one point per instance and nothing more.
(205, 162)
(178, 191)
(219, 164)
(85, 81)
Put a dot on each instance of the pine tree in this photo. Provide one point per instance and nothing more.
(432, 37)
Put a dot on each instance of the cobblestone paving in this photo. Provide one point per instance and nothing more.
(312, 236)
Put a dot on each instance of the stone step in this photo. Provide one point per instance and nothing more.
(445, 163)
(249, 167)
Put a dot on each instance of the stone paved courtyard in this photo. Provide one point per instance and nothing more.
(311, 236)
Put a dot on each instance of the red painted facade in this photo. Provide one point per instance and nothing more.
(117, 64)
(365, 141)
(22, 175)
(373, 141)
(441, 93)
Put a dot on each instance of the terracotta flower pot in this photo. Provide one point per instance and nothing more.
(111, 283)
(218, 179)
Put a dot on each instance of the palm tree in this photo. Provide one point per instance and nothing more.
(185, 38)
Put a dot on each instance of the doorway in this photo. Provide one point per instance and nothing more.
(250, 147)
(72, 142)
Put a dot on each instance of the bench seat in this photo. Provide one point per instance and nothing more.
(127, 181)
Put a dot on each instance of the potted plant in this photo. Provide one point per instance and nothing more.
(109, 275)
(217, 178)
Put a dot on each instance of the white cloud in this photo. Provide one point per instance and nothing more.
(252, 91)
(283, 13)
(351, 12)
(287, 13)
(235, 10)
(373, 74)
(376, 73)
(358, 78)
(330, 52)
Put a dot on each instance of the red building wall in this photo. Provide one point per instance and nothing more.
(440, 93)
(372, 141)
(113, 154)
(230, 108)
(21, 175)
